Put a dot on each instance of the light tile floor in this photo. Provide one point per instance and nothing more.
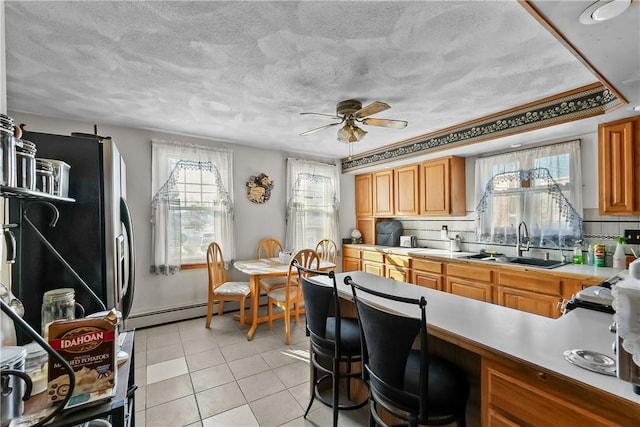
(192, 376)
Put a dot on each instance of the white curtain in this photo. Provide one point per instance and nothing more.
(172, 165)
(541, 186)
(313, 200)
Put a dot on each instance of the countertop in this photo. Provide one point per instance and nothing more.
(580, 269)
(537, 340)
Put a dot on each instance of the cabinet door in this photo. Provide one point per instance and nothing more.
(618, 164)
(523, 395)
(367, 227)
(406, 190)
(442, 187)
(373, 268)
(397, 273)
(434, 181)
(467, 288)
(350, 264)
(383, 193)
(531, 302)
(364, 195)
(431, 281)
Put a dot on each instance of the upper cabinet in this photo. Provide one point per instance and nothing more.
(618, 163)
(383, 193)
(432, 188)
(406, 190)
(443, 187)
(364, 195)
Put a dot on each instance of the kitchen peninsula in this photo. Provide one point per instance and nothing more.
(515, 359)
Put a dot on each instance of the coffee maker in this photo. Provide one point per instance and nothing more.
(627, 369)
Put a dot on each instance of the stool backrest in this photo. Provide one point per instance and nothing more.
(389, 338)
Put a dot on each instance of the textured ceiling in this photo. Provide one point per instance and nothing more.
(242, 71)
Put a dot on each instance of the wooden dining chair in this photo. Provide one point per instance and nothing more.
(327, 250)
(220, 289)
(289, 297)
(270, 248)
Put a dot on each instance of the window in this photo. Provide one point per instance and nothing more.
(541, 186)
(313, 199)
(192, 204)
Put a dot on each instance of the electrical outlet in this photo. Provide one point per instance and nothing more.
(632, 236)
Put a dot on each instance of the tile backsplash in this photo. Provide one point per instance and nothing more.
(597, 230)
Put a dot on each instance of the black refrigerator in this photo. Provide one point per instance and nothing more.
(83, 241)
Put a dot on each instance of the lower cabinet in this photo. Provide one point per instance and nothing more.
(428, 273)
(350, 259)
(535, 294)
(470, 282)
(515, 394)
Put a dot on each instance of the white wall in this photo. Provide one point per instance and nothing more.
(252, 222)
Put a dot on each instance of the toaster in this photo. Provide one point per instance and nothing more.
(409, 241)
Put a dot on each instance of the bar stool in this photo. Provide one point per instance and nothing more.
(334, 339)
(410, 384)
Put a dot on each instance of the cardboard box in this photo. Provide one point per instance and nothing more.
(89, 346)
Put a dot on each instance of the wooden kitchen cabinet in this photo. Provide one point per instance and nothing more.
(428, 273)
(364, 195)
(618, 167)
(406, 190)
(471, 282)
(383, 204)
(372, 262)
(442, 187)
(533, 293)
(367, 227)
(515, 394)
(397, 267)
(350, 259)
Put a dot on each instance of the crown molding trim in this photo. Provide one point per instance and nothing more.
(581, 103)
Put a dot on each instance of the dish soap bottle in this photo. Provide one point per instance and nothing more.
(577, 253)
(619, 258)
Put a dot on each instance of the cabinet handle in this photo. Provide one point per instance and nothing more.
(542, 376)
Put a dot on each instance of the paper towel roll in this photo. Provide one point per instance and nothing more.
(626, 302)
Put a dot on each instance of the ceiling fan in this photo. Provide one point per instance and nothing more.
(350, 112)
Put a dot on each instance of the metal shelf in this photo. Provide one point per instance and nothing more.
(23, 193)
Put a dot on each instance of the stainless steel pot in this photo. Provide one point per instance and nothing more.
(15, 384)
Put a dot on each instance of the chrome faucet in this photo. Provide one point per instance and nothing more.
(520, 236)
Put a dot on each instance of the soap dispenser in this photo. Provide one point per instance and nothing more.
(619, 257)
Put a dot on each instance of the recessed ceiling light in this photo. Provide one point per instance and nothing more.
(603, 10)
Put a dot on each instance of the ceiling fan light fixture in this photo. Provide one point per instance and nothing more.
(360, 133)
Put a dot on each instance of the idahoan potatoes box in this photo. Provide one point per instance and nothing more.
(89, 346)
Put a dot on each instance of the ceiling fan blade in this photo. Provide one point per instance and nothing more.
(387, 123)
(373, 108)
(309, 132)
(331, 116)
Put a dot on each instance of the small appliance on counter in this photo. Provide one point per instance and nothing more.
(598, 298)
(409, 241)
(388, 233)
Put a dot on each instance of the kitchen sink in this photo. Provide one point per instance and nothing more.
(500, 258)
(536, 262)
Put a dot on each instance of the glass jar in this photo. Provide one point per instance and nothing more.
(25, 164)
(7, 152)
(44, 176)
(59, 304)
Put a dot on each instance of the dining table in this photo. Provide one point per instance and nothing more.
(261, 268)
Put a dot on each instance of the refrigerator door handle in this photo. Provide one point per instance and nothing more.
(126, 300)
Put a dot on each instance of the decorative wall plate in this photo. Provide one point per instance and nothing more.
(259, 188)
